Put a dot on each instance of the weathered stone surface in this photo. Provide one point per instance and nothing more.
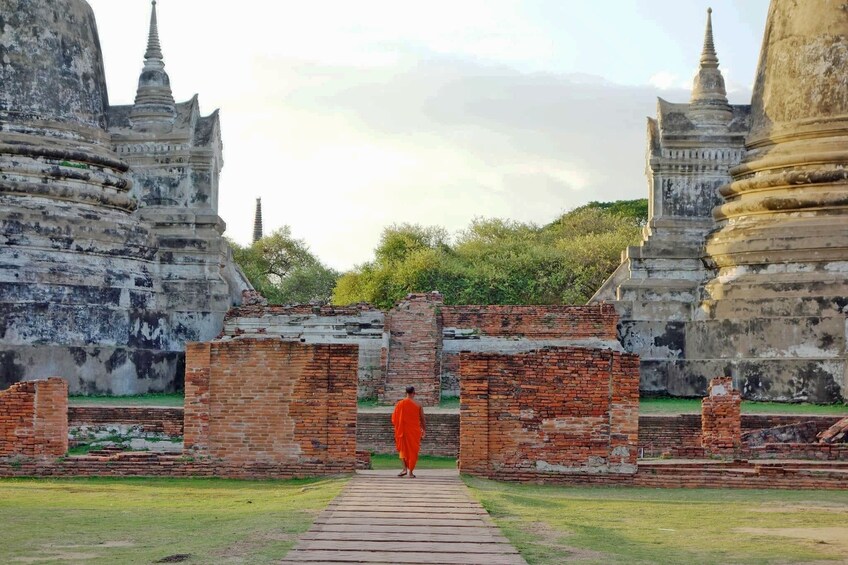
(755, 289)
(111, 255)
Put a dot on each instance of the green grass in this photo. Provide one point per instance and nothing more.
(452, 402)
(369, 403)
(383, 461)
(153, 399)
(145, 520)
(550, 525)
(648, 406)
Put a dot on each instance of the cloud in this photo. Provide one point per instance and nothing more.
(440, 140)
(346, 117)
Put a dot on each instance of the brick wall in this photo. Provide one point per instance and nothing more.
(549, 412)
(374, 432)
(721, 418)
(270, 404)
(414, 331)
(34, 419)
(360, 324)
(535, 322)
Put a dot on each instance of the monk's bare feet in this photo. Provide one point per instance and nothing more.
(402, 473)
(412, 475)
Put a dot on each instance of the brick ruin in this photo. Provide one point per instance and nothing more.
(413, 349)
(548, 412)
(419, 341)
(34, 419)
(547, 394)
(285, 408)
(721, 418)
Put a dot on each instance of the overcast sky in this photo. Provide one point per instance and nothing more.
(346, 116)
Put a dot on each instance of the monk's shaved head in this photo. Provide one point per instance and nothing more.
(410, 390)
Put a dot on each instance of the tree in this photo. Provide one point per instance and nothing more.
(497, 261)
(284, 270)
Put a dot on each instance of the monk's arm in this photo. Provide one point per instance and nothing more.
(423, 420)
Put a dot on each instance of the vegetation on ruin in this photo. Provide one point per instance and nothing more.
(693, 406)
(148, 520)
(552, 525)
(498, 261)
(284, 270)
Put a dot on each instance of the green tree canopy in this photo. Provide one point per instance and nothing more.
(497, 261)
(284, 270)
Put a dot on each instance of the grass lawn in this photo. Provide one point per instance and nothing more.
(153, 399)
(146, 520)
(628, 525)
(381, 461)
(659, 406)
(646, 405)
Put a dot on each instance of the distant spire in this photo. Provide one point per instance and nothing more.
(257, 221)
(154, 102)
(709, 97)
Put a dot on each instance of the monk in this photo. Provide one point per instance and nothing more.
(410, 427)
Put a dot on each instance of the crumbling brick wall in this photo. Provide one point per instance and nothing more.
(414, 347)
(34, 418)
(360, 324)
(550, 412)
(512, 329)
(265, 403)
(535, 322)
(721, 418)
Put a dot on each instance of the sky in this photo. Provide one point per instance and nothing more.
(346, 117)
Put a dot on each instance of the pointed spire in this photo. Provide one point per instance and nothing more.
(257, 222)
(154, 48)
(709, 96)
(708, 55)
(154, 107)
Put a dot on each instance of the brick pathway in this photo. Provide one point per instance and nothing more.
(380, 518)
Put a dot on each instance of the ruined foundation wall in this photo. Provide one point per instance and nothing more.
(34, 419)
(361, 325)
(515, 329)
(264, 404)
(549, 413)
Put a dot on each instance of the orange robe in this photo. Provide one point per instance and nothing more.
(407, 422)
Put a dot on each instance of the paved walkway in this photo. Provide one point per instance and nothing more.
(380, 518)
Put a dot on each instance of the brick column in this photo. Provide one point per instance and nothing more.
(474, 414)
(721, 418)
(196, 416)
(341, 400)
(34, 418)
(624, 412)
(414, 348)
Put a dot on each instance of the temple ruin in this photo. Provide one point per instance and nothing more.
(110, 238)
(743, 268)
(113, 257)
